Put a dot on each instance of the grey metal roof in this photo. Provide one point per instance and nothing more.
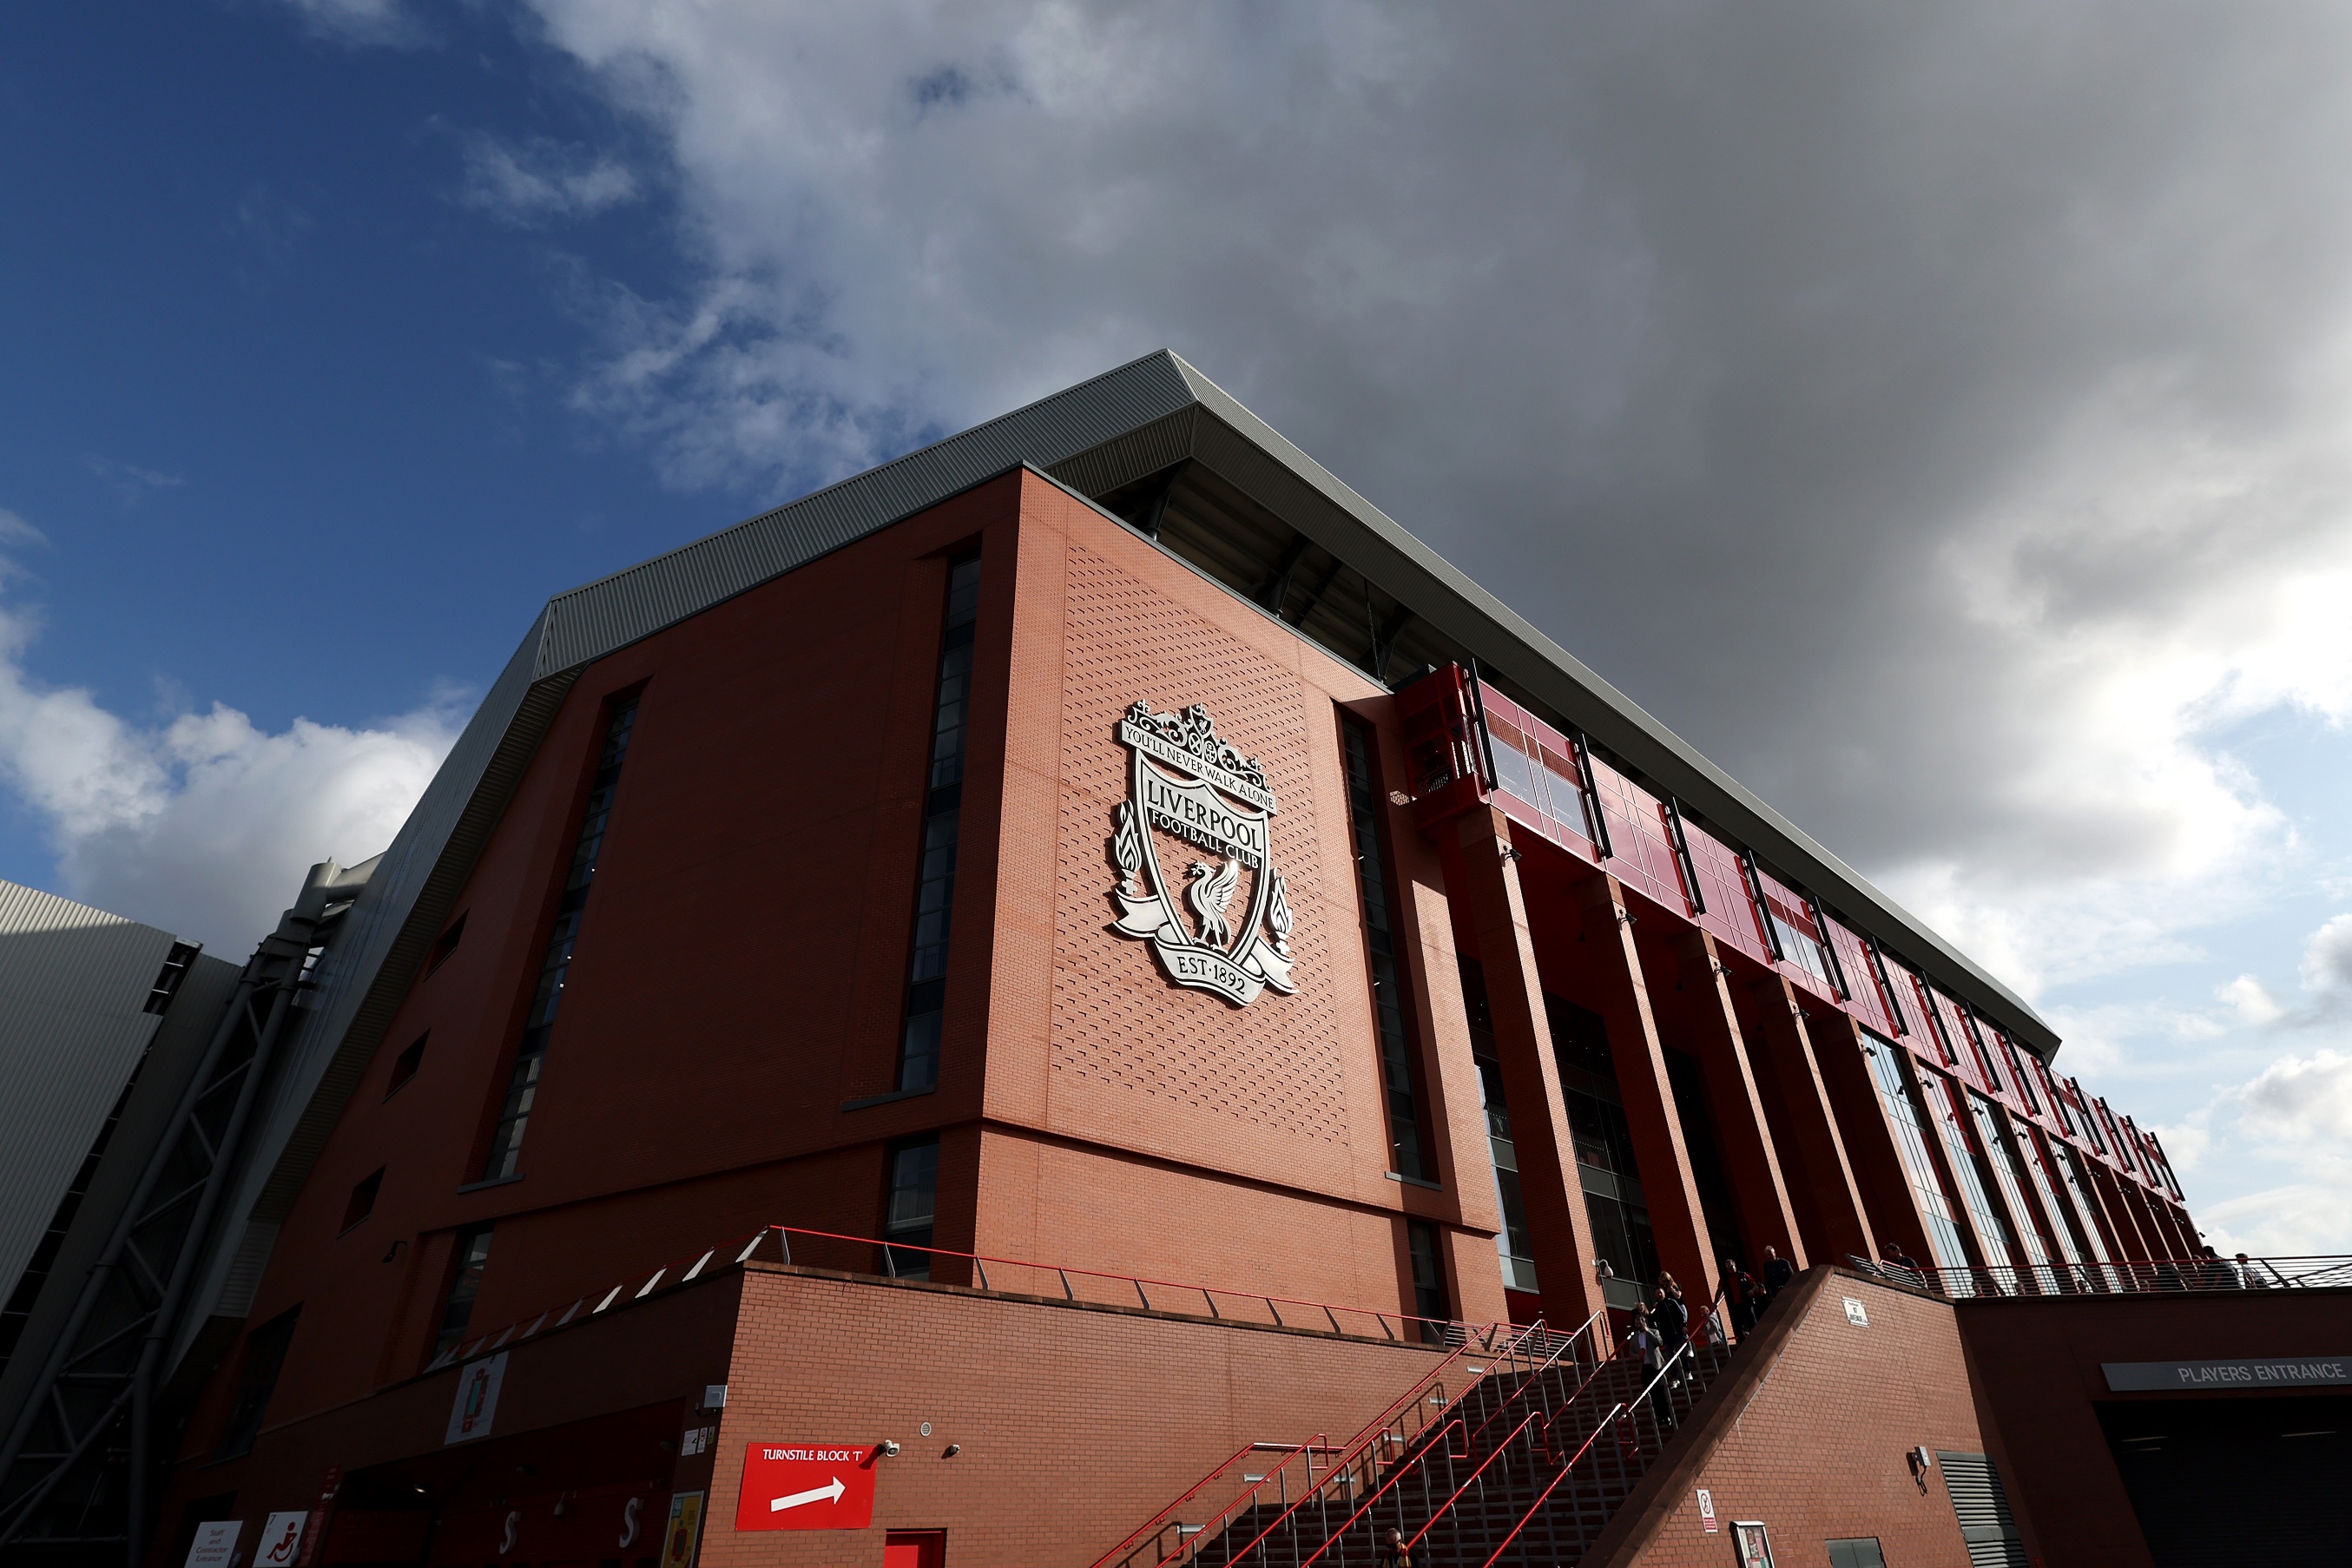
(1093, 437)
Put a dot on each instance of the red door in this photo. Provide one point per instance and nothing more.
(915, 1549)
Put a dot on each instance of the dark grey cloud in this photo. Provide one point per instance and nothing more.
(1934, 414)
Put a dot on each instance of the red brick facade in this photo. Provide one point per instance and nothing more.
(1813, 1443)
(726, 1056)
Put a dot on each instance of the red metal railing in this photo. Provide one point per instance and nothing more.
(2125, 1277)
(880, 1259)
(1540, 1416)
(1461, 1497)
(1406, 1417)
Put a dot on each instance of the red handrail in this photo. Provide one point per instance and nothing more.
(2130, 1276)
(1606, 1421)
(1364, 1440)
(1545, 1365)
(1468, 1438)
(677, 1270)
(1208, 1292)
(1690, 1342)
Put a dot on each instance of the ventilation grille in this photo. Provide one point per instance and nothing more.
(1982, 1507)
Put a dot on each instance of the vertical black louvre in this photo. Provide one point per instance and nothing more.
(1613, 1201)
(918, 1045)
(1429, 1296)
(522, 1088)
(1398, 1070)
(1517, 1252)
(913, 1201)
(473, 1256)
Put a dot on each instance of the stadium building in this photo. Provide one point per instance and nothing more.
(1081, 997)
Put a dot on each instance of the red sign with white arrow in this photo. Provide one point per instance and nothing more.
(806, 1486)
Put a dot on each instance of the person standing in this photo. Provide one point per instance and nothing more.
(1669, 1315)
(1778, 1274)
(1643, 1340)
(1742, 1297)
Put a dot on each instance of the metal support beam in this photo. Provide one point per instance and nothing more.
(75, 1463)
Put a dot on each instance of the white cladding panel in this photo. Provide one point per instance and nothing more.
(74, 982)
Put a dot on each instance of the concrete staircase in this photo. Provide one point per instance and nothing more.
(1527, 1467)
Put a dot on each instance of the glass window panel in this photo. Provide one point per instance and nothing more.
(1908, 1123)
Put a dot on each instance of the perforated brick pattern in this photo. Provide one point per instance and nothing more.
(1117, 1020)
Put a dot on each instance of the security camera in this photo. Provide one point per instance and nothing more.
(889, 1449)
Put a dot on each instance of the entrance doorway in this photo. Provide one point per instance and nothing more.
(2220, 1481)
(915, 1549)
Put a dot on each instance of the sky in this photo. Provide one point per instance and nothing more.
(1941, 417)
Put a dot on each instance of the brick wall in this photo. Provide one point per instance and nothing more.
(1254, 1140)
(1814, 1446)
(1076, 1425)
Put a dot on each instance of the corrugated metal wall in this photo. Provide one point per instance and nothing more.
(73, 993)
(173, 1056)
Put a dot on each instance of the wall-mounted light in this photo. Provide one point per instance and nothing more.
(887, 1449)
(951, 1450)
(1921, 1462)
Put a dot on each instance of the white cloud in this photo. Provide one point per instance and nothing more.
(379, 22)
(541, 180)
(2250, 1000)
(2305, 1102)
(204, 825)
(2327, 967)
(2295, 1113)
(15, 531)
(2303, 1219)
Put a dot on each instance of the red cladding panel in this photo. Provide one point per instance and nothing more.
(1868, 1001)
(1731, 913)
(1536, 767)
(1643, 858)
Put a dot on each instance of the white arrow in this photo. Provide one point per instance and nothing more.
(814, 1494)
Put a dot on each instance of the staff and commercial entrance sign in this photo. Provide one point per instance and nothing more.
(806, 1486)
(1189, 790)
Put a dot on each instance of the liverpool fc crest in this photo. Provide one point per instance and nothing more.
(1197, 808)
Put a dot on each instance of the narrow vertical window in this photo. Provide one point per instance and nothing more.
(1429, 1299)
(256, 1380)
(2009, 1175)
(522, 1085)
(1908, 1123)
(1969, 1169)
(1398, 1068)
(405, 1065)
(361, 1202)
(167, 980)
(473, 1256)
(907, 1218)
(2020, 1075)
(919, 1044)
(2036, 1164)
(2089, 1226)
(1517, 1252)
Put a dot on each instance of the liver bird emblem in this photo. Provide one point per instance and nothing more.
(1210, 893)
